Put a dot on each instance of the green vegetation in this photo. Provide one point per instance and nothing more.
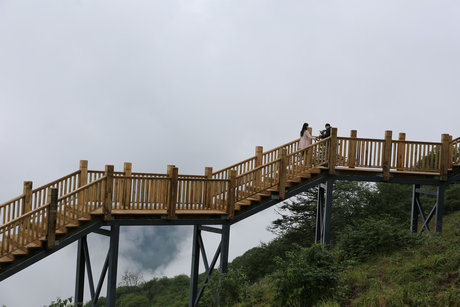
(374, 259)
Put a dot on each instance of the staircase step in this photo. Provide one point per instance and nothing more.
(314, 170)
(294, 180)
(20, 252)
(35, 244)
(6, 259)
(62, 231)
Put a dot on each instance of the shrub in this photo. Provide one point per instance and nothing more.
(306, 276)
(372, 236)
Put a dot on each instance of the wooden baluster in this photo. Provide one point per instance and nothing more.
(332, 154)
(231, 194)
(352, 149)
(173, 174)
(282, 173)
(259, 156)
(27, 204)
(386, 162)
(401, 151)
(451, 152)
(127, 169)
(52, 214)
(108, 191)
(445, 156)
(208, 188)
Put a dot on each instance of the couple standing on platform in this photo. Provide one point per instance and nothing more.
(306, 138)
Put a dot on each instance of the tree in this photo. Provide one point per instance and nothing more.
(131, 279)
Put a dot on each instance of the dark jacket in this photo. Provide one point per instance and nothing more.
(326, 133)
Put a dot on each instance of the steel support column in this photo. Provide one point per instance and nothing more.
(80, 274)
(417, 208)
(195, 266)
(439, 207)
(323, 213)
(110, 266)
(225, 244)
(113, 264)
(197, 249)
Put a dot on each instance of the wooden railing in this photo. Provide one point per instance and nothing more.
(33, 199)
(25, 218)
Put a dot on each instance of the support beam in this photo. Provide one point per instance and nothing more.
(323, 213)
(221, 253)
(113, 264)
(417, 208)
(80, 274)
(195, 266)
(225, 243)
(439, 208)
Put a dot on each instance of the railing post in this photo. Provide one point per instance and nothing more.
(173, 174)
(282, 173)
(52, 213)
(332, 154)
(82, 180)
(108, 193)
(386, 161)
(451, 152)
(208, 187)
(352, 149)
(127, 169)
(231, 194)
(27, 204)
(445, 156)
(401, 151)
(259, 157)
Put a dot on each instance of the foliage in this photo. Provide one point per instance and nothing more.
(371, 236)
(225, 289)
(305, 276)
(61, 303)
(260, 261)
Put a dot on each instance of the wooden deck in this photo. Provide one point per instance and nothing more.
(37, 218)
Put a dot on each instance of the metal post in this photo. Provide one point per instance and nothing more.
(113, 263)
(319, 214)
(225, 241)
(439, 207)
(195, 266)
(327, 213)
(80, 274)
(414, 209)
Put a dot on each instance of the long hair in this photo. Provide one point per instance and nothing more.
(304, 127)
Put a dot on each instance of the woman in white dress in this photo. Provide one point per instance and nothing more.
(305, 139)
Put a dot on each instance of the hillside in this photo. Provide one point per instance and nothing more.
(375, 260)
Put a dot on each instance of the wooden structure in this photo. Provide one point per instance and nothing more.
(43, 220)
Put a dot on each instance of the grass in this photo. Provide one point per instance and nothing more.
(425, 275)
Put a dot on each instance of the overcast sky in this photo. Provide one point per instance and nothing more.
(201, 83)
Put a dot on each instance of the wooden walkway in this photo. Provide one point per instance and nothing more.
(34, 220)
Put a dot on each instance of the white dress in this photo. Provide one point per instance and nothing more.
(305, 139)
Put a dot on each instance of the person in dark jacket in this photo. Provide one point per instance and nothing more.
(326, 132)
